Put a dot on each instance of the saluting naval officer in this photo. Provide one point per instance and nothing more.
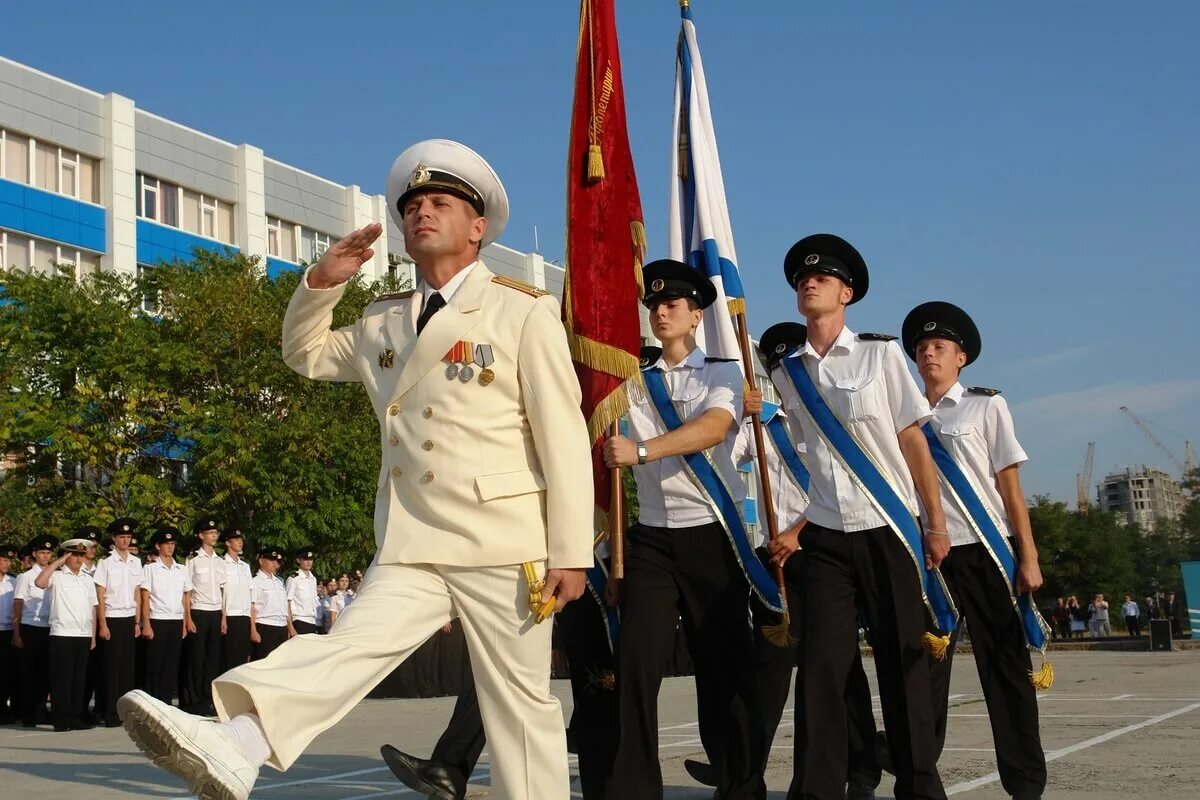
(72, 596)
(688, 552)
(993, 561)
(858, 412)
(301, 591)
(486, 467)
(117, 579)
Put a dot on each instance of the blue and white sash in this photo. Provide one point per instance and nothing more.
(874, 484)
(597, 580)
(987, 526)
(787, 451)
(706, 476)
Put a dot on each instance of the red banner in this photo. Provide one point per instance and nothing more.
(605, 237)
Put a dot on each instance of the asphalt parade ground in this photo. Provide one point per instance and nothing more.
(1115, 725)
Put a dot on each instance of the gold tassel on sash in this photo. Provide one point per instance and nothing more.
(541, 611)
(937, 646)
(1043, 676)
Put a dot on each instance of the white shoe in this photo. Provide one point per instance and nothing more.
(188, 746)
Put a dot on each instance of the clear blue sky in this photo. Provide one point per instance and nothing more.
(1037, 163)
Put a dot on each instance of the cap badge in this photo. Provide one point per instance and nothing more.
(420, 175)
(781, 348)
(811, 259)
(930, 326)
(657, 285)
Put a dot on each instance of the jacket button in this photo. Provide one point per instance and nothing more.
(427, 477)
(396, 472)
(394, 409)
(428, 445)
(427, 413)
(393, 440)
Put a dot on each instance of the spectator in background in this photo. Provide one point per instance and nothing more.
(1079, 616)
(1062, 619)
(1101, 627)
(1174, 611)
(1152, 610)
(1133, 617)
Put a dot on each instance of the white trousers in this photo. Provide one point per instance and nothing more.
(312, 681)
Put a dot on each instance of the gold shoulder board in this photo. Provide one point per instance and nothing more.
(513, 283)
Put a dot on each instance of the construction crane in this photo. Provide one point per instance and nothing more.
(1083, 480)
(1150, 435)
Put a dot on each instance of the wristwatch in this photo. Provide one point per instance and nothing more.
(641, 451)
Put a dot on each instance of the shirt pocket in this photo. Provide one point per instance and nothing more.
(861, 397)
(689, 394)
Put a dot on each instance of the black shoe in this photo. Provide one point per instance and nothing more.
(858, 791)
(62, 728)
(112, 723)
(1027, 796)
(883, 756)
(702, 772)
(82, 726)
(434, 779)
(28, 724)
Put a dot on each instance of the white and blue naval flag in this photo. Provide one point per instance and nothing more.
(699, 232)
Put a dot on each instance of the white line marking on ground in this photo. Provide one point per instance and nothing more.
(1071, 716)
(992, 777)
(1121, 697)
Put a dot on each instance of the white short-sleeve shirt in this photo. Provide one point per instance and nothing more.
(270, 600)
(72, 598)
(207, 574)
(8, 587)
(36, 608)
(120, 578)
(868, 385)
(166, 585)
(237, 586)
(978, 432)
(667, 496)
(301, 590)
(789, 498)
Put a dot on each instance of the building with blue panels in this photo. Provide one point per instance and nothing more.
(90, 181)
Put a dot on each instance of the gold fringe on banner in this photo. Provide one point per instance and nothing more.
(1043, 676)
(936, 646)
(737, 306)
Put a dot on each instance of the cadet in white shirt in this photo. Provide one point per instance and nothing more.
(988, 523)
(681, 559)
(72, 632)
(333, 602)
(301, 591)
(269, 622)
(8, 655)
(862, 543)
(166, 592)
(206, 617)
(31, 632)
(117, 580)
(235, 649)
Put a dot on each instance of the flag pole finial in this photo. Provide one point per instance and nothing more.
(685, 4)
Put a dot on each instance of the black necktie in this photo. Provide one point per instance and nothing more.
(435, 304)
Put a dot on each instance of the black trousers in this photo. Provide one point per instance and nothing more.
(204, 656)
(773, 671)
(1133, 625)
(595, 725)
(162, 659)
(871, 570)
(68, 676)
(10, 677)
(35, 672)
(462, 741)
(272, 636)
(235, 649)
(688, 573)
(118, 658)
(303, 627)
(997, 639)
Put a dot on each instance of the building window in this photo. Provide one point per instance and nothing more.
(272, 237)
(150, 298)
(68, 173)
(45, 167)
(313, 244)
(15, 164)
(208, 217)
(148, 197)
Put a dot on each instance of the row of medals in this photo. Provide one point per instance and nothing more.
(462, 356)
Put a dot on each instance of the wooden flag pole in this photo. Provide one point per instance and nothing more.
(616, 515)
(776, 634)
